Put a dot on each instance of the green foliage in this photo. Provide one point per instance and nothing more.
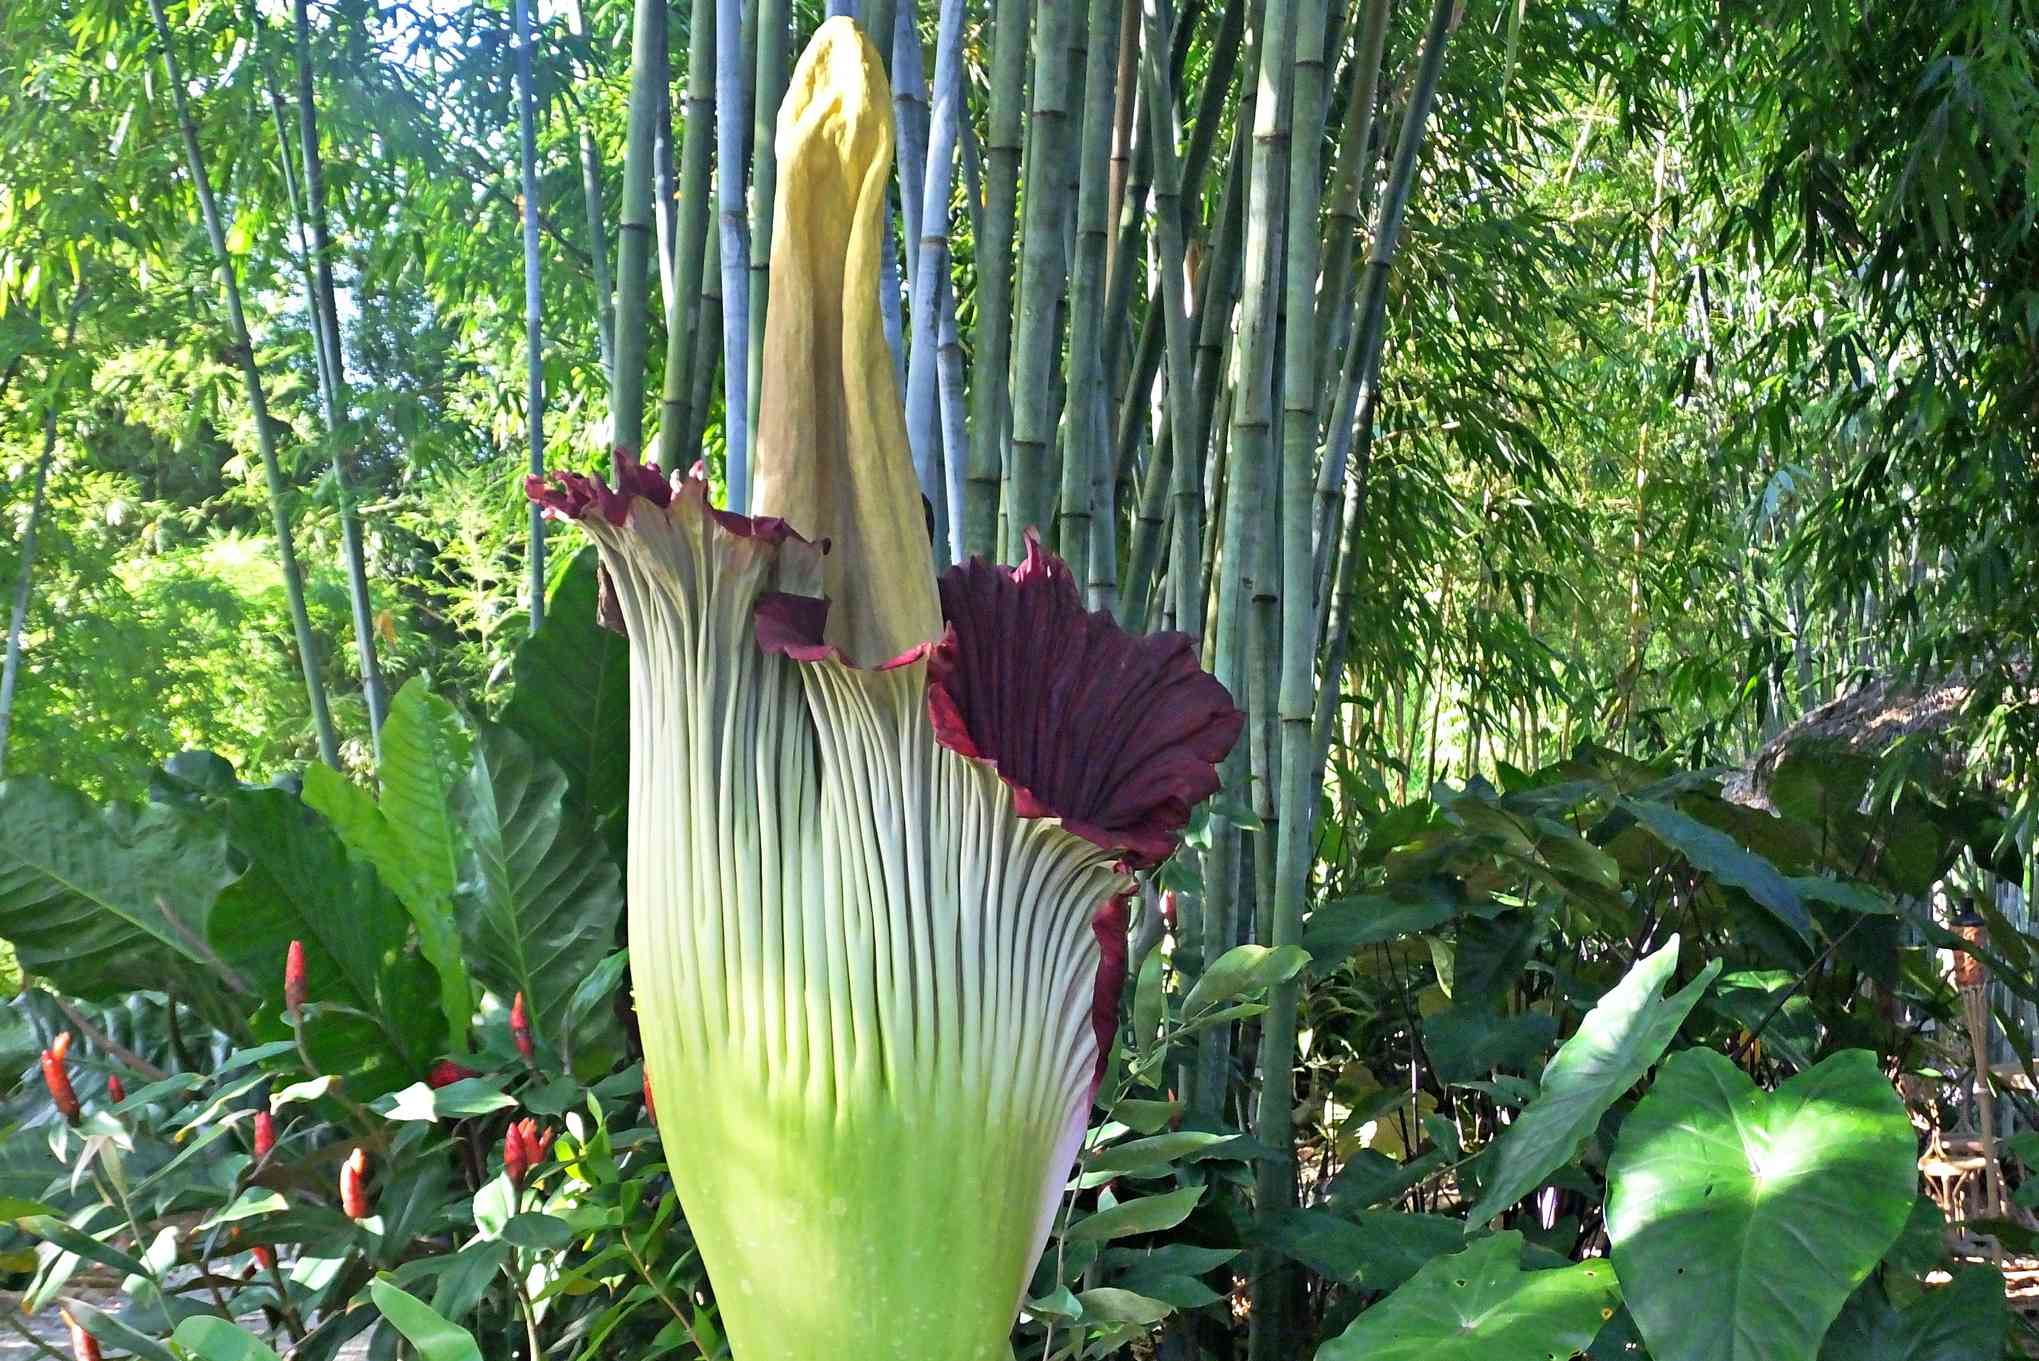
(1761, 1210)
(1480, 1303)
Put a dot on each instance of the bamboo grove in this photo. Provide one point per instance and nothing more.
(1469, 380)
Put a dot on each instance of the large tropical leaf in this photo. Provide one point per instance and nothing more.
(1758, 1212)
(1965, 1320)
(98, 899)
(381, 1029)
(1714, 853)
(412, 838)
(1626, 1032)
(1480, 1305)
(571, 699)
(539, 894)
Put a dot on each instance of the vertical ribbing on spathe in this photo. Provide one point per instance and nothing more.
(865, 979)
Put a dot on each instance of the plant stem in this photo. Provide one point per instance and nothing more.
(635, 234)
(681, 418)
(17, 618)
(991, 407)
(1042, 273)
(773, 22)
(258, 402)
(598, 236)
(941, 478)
(534, 298)
(732, 157)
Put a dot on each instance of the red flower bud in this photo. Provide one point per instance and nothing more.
(520, 1029)
(84, 1346)
(446, 1072)
(650, 1110)
(116, 1091)
(265, 1256)
(516, 1158)
(524, 1148)
(354, 1185)
(56, 1075)
(294, 986)
(1168, 908)
(265, 1133)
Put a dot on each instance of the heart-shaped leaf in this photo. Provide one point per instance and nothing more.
(1480, 1305)
(1758, 1212)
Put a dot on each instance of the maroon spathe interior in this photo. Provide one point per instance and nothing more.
(1117, 734)
(1108, 924)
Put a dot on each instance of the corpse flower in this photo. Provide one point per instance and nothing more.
(881, 826)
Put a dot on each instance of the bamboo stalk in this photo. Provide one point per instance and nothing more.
(634, 234)
(681, 419)
(1150, 531)
(1230, 550)
(598, 236)
(1083, 449)
(1349, 182)
(774, 24)
(1359, 379)
(1042, 273)
(1125, 99)
(707, 344)
(309, 278)
(258, 402)
(1186, 468)
(534, 300)
(937, 467)
(910, 118)
(1296, 696)
(17, 617)
(665, 180)
(337, 412)
(732, 156)
(991, 405)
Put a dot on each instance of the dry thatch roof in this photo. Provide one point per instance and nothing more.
(1865, 722)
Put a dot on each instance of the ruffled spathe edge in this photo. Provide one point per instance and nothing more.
(1117, 735)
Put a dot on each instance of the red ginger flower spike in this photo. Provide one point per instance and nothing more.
(520, 1029)
(56, 1075)
(295, 989)
(516, 1155)
(650, 1110)
(265, 1256)
(84, 1346)
(446, 1072)
(116, 1090)
(265, 1133)
(354, 1186)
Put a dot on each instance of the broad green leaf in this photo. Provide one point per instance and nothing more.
(1760, 1212)
(83, 1244)
(1715, 853)
(1625, 1032)
(1751, 998)
(1242, 970)
(99, 900)
(1467, 1042)
(1966, 1320)
(256, 1200)
(1149, 1214)
(1341, 928)
(571, 694)
(301, 884)
(540, 1232)
(412, 837)
(434, 1337)
(214, 1339)
(494, 1205)
(1108, 1304)
(1376, 1249)
(538, 894)
(1161, 1149)
(1480, 1305)
(469, 1096)
(111, 1330)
